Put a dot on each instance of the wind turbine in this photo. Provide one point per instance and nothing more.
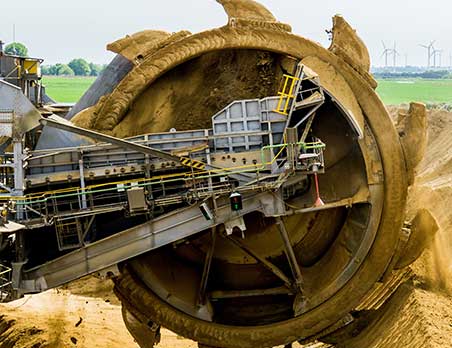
(395, 53)
(430, 50)
(439, 54)
(386, 53)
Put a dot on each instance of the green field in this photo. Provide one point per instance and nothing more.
(66, 89)
(70, 89)
(394, 92)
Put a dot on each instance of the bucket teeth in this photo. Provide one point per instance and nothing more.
(423, 230)
(245, 13)
(246, 9)
(145, 333)
(141, 45)
(346, 41)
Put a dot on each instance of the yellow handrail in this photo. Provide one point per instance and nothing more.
(286, 96)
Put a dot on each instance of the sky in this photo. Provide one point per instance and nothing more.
(59, 30)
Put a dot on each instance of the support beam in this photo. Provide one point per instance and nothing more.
(293, 263)
(206, 270)
(361, 197)
(60, 123)
(267, 264)
(250, 293)
(130, 243)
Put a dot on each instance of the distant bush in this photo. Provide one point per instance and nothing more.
(80, 67)
(64, 70)
(96, 69)
(57, 70)
(17, 49)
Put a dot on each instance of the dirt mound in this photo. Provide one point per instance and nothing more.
(433, 190)
(93, 287)
(20, 334)
(57, 318)
(411, 319)
(71, 317)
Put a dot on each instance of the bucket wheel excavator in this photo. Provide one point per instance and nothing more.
(243, 186)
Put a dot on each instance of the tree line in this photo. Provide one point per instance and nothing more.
(76, 67)
(430, 74)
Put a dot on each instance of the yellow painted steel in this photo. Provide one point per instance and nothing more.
(285, 96)
(32, 66)
(188, 162)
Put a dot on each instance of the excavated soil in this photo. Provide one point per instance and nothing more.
(84, 314)
(412, 318)
(87, 314)
(58, 318)
(188, 96)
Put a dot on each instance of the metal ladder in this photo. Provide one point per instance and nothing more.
(69, 233)
(293, 98)
(6, 287)
(289, 91)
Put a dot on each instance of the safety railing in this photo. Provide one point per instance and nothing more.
(286, 94)
(164, 189)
